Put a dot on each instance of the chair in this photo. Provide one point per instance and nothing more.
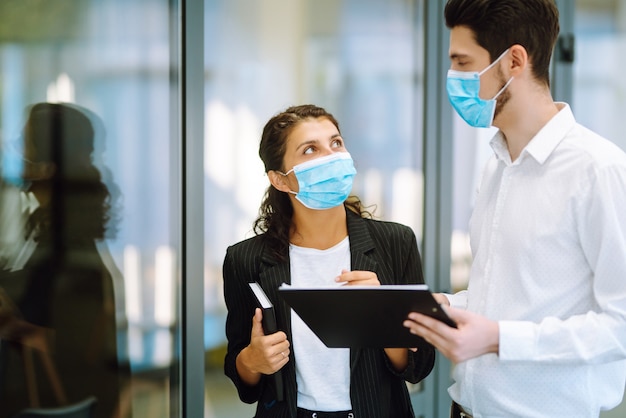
(82, 409)
(30, 338)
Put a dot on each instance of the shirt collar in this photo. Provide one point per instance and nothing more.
(544, 142)
(28, 203)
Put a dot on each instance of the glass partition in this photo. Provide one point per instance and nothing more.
(89, 206)
(360, 60)
(599, 91)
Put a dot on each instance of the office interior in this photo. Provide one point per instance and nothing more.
(182, 89)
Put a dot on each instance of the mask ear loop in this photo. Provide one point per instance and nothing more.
(503, 88)
(286, 174)
(490, 66)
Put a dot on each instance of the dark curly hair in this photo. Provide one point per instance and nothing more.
(62, 136)
(276, 209)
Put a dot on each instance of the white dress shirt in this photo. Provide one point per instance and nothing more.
(548, 236)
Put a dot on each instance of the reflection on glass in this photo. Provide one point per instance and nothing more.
(58, 320)
(117, 58)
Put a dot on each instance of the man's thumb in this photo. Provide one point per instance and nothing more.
(454, 314)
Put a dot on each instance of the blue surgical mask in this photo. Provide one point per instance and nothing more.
(463, 88)
(324, 182)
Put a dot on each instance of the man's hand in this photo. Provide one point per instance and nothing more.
(441, 299)
(474, 336)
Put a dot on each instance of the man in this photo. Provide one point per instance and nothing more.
(542, 327)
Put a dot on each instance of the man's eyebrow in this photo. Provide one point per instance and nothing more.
(457, 56)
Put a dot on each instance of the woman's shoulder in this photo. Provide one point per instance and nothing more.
(388, 227)
(381, 231)
(249, 245)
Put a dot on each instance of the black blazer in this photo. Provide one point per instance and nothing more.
(376, 389)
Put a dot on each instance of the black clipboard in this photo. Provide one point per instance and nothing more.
(269, 327)
(363, 316)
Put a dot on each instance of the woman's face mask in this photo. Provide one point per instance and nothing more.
(463, 89)
(324, 182)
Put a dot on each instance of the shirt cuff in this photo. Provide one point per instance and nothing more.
(458, 300)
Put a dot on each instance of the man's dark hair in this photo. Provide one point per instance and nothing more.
(500, 24)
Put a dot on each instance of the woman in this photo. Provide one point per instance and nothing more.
(309, 233)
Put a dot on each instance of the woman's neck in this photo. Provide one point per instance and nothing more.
(319, 229)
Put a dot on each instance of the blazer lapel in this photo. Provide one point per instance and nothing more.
(272, 274)
(361, 245)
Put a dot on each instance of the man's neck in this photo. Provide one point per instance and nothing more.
(521, 121)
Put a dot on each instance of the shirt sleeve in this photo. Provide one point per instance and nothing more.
(457, 300)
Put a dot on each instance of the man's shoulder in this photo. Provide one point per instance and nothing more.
(592, 150)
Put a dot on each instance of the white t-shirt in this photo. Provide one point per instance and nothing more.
(322, 374)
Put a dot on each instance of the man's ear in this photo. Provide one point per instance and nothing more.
(278, 181)
(518, 61)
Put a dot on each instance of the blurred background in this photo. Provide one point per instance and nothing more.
(377, 65)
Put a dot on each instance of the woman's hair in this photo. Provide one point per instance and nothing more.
(499, 24)
(63, 136)
(276, 210)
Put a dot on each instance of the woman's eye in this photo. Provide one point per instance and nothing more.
(308, 150)
(337, 143)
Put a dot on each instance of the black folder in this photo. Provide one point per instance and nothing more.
(269, 327)
(363, 316)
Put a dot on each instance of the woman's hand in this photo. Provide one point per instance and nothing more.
(266, 354)
(357, 278)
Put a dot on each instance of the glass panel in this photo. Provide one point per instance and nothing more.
(90, 225)
(599, 96)
(600, 90)
(471, 151)
(362, 61)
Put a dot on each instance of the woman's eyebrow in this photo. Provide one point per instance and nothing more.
(308, 142)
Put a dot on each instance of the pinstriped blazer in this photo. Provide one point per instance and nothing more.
(376, 389)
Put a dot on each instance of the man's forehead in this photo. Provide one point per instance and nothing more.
(463, 44)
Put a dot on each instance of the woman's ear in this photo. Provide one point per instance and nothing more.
(278, 181)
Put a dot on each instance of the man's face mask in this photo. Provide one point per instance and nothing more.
(463, 89)
(324, 182)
